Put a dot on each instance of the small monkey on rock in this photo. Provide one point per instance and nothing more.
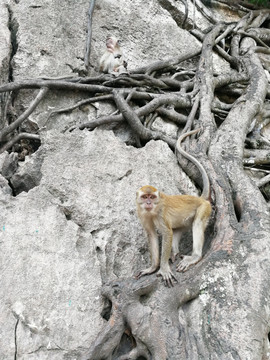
(111, 61)
(172, 215)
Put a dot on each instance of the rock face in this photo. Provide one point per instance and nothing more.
(50, 39)
(74, 231)
(5, 43)
(72, 225)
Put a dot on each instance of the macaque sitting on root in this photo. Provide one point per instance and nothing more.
(111, 61)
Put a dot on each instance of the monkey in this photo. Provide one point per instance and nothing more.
(171, 215)
(111, 61)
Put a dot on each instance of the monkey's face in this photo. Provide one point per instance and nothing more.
(111, 43)
(149, 201)
(147, 198)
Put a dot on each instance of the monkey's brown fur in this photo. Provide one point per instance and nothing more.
(172, 215)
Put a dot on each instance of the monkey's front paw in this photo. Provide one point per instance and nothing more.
(167, 277)
(187, 261)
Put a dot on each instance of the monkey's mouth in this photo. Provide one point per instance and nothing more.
(148, 207)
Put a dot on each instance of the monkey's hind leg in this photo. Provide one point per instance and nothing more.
(198, 228)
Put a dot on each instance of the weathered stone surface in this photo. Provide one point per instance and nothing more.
(145, 37)
(50, 288)
(63, 236)
(28, 174)
(74, 226)
(5, 43)
(8, 164)
(76, 229)
(50, 37)
(51, 42)
(4, 187)
(167, 127)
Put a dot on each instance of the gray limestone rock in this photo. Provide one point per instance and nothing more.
(69, 234)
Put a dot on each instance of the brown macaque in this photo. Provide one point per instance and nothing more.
(171, 215)
(111, 61)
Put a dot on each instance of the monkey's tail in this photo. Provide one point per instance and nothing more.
(206, 184)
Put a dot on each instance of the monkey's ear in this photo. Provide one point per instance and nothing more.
(139, 192)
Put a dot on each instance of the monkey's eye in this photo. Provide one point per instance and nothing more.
(119, 42)
(144, 196)
(152, 197)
